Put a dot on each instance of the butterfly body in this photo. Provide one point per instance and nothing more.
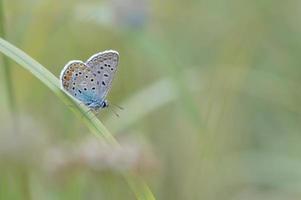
(90, 81)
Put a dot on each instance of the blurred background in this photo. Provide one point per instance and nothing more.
(209, 89)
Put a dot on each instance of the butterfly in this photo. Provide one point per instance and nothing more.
(90, 81)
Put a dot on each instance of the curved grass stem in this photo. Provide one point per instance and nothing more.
(138, 186)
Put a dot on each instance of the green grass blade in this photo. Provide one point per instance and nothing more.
(53, 83)
(138, 186)
(7, 74)
(153, 97)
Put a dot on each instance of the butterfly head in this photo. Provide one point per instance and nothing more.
(97, 105)
(104, 104)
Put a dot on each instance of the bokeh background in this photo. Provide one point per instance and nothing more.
(210, 90)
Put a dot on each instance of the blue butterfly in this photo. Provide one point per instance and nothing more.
(90, 81)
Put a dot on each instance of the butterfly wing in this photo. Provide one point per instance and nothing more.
(79, 81)
(104, 66)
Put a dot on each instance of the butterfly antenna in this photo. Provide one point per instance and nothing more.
(121, 108)
(114, 111)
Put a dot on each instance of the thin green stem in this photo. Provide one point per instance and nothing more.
(7, 74)
(138, 186)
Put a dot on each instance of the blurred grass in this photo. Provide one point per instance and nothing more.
(6, 77)
(211, 86)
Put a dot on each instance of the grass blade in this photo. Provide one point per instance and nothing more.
(139, 187)
(151, 98)
(7, 75)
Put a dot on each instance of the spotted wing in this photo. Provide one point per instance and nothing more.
(79, 81)
(104, 66)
